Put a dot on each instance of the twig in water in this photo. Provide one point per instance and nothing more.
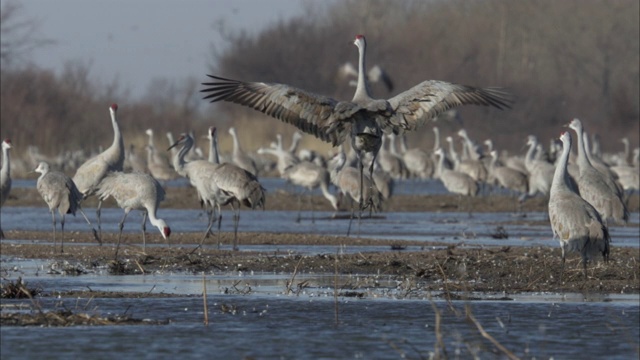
(335, 289)
(204, 299)
(488, 336)
(293, 276)
(149, 292)
(439, 339)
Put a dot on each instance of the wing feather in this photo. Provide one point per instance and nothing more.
(425, 101)
(311, 113)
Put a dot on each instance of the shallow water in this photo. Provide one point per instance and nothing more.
(268, 323)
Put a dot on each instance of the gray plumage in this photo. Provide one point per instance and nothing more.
(574, 221)
(594, 186)
(5, 176)
(59, 192)
(507, 177)
(240, 158)
(89, 174)
(135, 191)
(363, 119)
(310, 176)
(418, 162)
(454, 181)
(348, 181)
(540, 172)
(221, 184)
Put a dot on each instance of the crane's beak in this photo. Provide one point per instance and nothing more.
(174, 145)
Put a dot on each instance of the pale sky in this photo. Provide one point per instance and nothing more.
(138, 40)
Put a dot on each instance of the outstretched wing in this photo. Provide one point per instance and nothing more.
(430, 98)
(314, 114)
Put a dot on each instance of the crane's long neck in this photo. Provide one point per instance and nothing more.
(178, 159)
(6, 166)
(560, 176)
(362, 89)
(392, 145)
(154, 220)
(583, 161)
(440, 163)
(454, 154)
(215, 158)
(529, 157)
(436, 143)
(324, 187)
(236, 143)
(116, 150)
(336, 167)
(587, 147)
(492, 164)
(403, 144)
(295, 141)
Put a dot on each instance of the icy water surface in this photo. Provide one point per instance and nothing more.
(251, 315)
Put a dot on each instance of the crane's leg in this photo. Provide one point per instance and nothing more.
(313, 213)
(212, 215)
(144, 230)
(350, 220)
(563, 261)
(1, 233)
(53, 220)
(299, 196)
(62, 233)
(236, 220)
(219, 222)
(93, 230)
(361, 165)
(121, 225)
(99, 222)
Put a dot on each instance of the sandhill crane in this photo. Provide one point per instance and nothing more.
(417, 161)
(574, 221)
(376, 74)
(474, 168)
(390, 163)
(199, 173)
(455, 181)
(629, 176)
(135, 191)
(240, 158)
(89, 174)
(158, 165)
(475, 152)
(228, 184)
(594, 186)
(5, 176)
(61, 193)
(310, 176)
(540, 172)
(159, 169)
(346, 179)
(507, 177)
(295, 142)
(363, 118)
(284, 158)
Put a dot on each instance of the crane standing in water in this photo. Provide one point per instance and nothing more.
(574, 221)
(364, 118)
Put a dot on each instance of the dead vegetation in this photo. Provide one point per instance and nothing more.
(69, 318)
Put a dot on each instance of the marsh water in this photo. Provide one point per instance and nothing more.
(252, 316)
